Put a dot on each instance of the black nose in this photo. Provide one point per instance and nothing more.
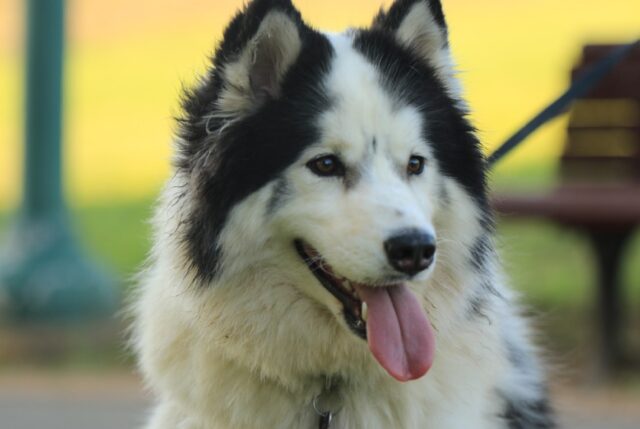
(411, 251)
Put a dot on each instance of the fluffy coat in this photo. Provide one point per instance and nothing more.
(233, 330)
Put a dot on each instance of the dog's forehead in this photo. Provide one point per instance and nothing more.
(364, 114)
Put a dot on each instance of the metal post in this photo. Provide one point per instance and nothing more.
(609, 249)
(43, 273)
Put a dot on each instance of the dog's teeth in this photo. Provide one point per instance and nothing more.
(364, 311)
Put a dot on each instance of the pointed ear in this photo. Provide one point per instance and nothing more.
(259, 47)
(420, 25)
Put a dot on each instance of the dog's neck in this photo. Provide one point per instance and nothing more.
(310, 405)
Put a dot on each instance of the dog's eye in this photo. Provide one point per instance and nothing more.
(326, 165)
(415, 166)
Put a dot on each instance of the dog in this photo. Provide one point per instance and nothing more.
(324, 252)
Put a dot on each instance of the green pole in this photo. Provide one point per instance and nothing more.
(43, 128)
(44, 275)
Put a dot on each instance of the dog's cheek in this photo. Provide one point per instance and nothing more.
(427, 191)
(245, 237)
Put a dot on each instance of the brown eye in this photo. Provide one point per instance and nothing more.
(326, 166)
(415, 166)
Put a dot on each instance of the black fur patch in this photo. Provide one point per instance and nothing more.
(529, 415)
(482, 298)
(478, 307)
(479, 252)
(413, 82)
(281, 191)
(226, 166)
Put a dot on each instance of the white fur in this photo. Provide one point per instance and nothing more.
(252, 350)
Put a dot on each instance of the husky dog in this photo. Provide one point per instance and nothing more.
(323, 253)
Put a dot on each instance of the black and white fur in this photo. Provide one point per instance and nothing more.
(233, 330)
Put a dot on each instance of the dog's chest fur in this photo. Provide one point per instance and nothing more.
(213, 389)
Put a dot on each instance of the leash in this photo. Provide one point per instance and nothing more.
(583, 84)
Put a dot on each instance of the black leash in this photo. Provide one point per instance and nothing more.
(583, 84)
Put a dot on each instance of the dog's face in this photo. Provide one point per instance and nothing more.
(333, 153)
(367, 180)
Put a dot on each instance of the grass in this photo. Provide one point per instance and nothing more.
(120, 234)
(554, 267)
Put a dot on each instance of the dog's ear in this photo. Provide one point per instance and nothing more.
(259, 46)
(417, 24)
(420, 26)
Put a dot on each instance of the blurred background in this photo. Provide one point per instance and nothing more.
(125, 65)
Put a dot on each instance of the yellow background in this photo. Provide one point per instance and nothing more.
(127, 60)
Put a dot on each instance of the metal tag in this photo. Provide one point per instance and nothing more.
(327, 404)
(325, 420)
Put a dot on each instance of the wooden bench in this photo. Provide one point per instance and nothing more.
(599, 184)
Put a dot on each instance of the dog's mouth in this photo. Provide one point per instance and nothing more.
(354, 310)
(389, 317)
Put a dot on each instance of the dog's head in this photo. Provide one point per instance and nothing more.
(336, 158)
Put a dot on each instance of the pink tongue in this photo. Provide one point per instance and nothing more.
(399, 334)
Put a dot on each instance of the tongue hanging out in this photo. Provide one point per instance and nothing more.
(399, 334)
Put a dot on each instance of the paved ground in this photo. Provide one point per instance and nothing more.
(63, 401)
(110, 401)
